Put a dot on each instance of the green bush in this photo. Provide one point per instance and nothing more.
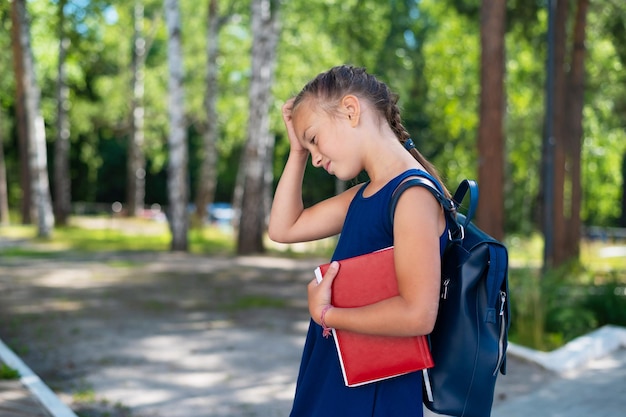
(607, 300)
(550, 309)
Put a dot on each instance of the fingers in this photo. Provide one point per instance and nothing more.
(287, 111)
(329, 276)
(287, 108)
(320, 294)
(331, 273)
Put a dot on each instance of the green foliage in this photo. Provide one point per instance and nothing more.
(549, 310)
(523, 126)
(451, 68)
(428, 51)
(6, 372)
(605, 137)
(608, 300)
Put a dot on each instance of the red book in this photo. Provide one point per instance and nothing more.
(361, 281)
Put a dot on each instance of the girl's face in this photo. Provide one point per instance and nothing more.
(329, 138)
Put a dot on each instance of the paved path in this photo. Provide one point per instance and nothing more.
(17, 401)
(598, 389)
(167, 335)
(28, 395)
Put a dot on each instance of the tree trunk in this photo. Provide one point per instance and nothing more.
(622, 222)
(575, 103)
(177, 181)
(40, 187)
(20, 112)
(136, 164)
(565, 224)
(260, 143)
(557, 224)
(4, 196)
(62, 183)
(490, 215)
(208, 168)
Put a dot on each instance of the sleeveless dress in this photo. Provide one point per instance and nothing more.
(320, 390)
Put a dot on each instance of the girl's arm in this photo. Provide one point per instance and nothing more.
(418, 269)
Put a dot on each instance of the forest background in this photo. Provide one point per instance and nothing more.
(427, 51)
(177, 103)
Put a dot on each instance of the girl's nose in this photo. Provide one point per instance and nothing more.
(317, 160)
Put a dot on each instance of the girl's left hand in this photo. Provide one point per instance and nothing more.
(320, 294)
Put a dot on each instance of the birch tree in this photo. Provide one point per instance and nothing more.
(136, 163)
(177, 181)
(37, 155)
(210, 129)
(260, 144)
(62, 183)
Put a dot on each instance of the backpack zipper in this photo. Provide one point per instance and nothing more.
(444, 291)
(501, 352)
(428, 386)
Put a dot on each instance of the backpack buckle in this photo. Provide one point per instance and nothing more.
(458, 234)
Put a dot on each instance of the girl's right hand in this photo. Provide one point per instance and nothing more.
(295, 144)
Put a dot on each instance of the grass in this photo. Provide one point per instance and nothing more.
(255, 301)
(84, 395)
(6, 372)
(104, 234)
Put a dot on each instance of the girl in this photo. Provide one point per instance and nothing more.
(348, 121)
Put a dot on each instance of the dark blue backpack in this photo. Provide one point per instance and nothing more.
(470, 336)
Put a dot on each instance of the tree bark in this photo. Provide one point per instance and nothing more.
(208, 168)
(622, 221)
(575, 103)
(136, 163)
(20, 112)
(177, 182)
(490, 214)
(557, 225)
(260, 143)
(4, 196)
(62, 183)
(565, 224)
(37, 157)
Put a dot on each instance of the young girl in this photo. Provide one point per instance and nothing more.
(348, 121)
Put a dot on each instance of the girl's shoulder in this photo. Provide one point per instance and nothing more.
(416, 172)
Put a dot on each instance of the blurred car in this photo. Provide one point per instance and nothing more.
(221, 213)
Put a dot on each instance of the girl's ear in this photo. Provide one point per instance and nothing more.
(351, 108)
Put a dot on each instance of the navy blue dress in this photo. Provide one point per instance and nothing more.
(320, 390)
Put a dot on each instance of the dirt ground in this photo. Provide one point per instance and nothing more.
(169, 335)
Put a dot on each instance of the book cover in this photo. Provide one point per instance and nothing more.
(364, 280)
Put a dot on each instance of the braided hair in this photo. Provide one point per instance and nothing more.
(328, 88)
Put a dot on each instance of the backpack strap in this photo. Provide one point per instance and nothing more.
(459, 195)
(449, 206)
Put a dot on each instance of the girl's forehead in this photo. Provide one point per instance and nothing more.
(304, 111)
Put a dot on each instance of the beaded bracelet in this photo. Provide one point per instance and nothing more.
(325, 329)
